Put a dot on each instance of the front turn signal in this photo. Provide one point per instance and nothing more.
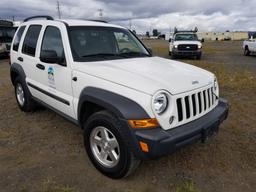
(143, 123)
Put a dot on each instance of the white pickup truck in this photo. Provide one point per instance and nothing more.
(249, 46)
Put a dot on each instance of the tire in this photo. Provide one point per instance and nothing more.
(246, 51)
(198, 57)
(22, 95)
(170, 53)
(102, 125)
(173, 56)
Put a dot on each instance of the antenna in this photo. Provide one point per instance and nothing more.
(58, 9)
(130, 24)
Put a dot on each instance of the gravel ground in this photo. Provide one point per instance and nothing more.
(43, 152)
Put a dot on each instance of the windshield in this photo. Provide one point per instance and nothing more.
(104, 43)
(186, 37)
(9, 34)
(6, 34)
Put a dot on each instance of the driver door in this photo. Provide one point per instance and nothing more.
(55, 84)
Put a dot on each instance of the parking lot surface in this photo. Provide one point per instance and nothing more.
(41, 151)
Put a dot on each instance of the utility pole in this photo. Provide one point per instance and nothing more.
(58, 9)
(130, 24)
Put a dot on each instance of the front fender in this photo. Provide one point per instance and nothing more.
(121, 106)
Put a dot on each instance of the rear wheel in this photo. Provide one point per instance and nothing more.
(104, 143)
(23, 98)
(246, 51)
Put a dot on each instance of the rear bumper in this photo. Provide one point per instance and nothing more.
(186, 53)
(161, 142)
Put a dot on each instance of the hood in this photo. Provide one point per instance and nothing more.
(187, 42)
(148, 74)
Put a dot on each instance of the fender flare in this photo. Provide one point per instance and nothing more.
(19, 70)
(122, 107)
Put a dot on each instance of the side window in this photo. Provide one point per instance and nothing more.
(52, 42)
(16, 41)
(30, 41)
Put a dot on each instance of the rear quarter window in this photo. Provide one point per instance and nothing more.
(30, 41)
(16, 41)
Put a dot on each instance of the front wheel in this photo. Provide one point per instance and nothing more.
(104, 143)
(198, 57)
(246, 51)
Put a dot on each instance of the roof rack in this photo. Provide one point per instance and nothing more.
(97, 20)
(192, 31)
(39, 16)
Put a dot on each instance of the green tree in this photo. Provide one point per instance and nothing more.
(155, 32)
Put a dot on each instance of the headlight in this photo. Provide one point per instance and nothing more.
(160, 103)
(175, 46)
(200, 46)
(215, 85)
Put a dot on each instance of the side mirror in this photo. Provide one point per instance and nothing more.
(150, 50)
(50, 56)
(170, 40)
(202, 40)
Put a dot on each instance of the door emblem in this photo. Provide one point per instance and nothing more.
(51, 75)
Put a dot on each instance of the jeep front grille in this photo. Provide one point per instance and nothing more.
(195, 104)
(187, 47)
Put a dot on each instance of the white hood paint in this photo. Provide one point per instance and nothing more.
(148, 74)
(187, 42)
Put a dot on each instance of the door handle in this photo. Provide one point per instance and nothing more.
(40, 66)
(20, 59)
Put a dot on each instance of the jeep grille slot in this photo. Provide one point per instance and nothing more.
(193, 105)
(187, 47)
(179, 106)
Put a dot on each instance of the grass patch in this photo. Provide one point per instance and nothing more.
(51, 186)
(186, 186)
(235, 79)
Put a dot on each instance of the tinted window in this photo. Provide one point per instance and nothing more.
(1, 34)
(30, 41)
(16, 41)
(52, 41)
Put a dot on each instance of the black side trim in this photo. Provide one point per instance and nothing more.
(49, 94)
(121, 106)
(74, 121)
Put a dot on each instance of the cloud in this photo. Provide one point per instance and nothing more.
(208, 15)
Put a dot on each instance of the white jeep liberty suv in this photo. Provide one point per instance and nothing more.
(131, 105)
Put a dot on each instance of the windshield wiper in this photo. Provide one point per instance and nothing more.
(100, 55)
(134, 54)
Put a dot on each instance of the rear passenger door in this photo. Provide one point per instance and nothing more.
(54, 80)
(27, 57)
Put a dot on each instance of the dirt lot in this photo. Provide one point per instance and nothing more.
(43, 152)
